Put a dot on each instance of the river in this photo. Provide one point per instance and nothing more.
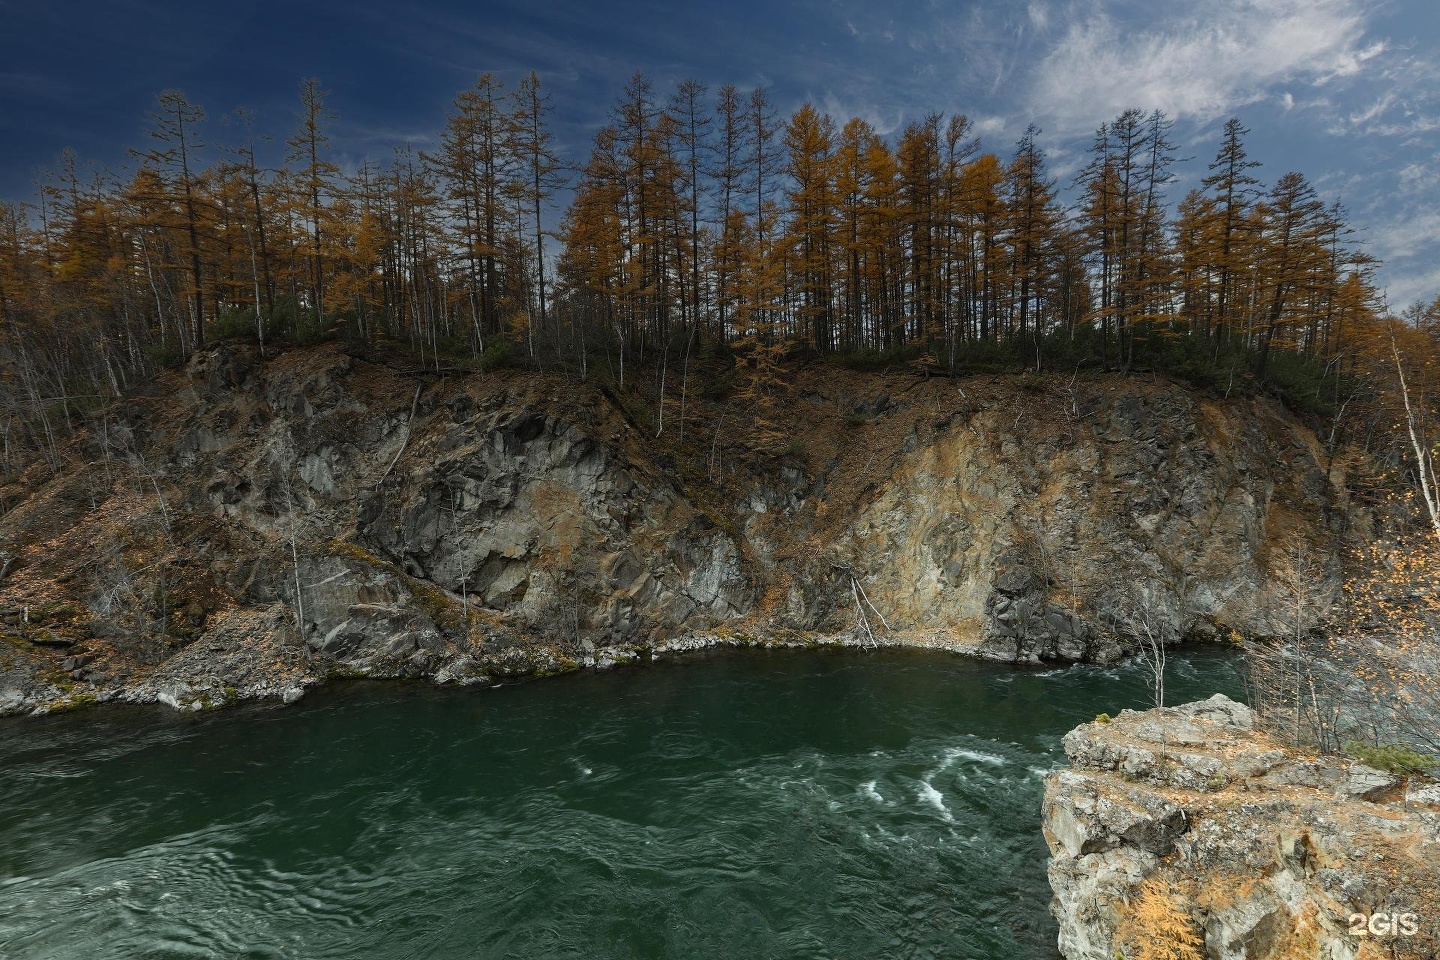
(736, 805)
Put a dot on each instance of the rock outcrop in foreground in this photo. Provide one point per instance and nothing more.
(248, 526)
(1186, 826)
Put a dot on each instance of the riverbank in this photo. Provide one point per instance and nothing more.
(530, 663)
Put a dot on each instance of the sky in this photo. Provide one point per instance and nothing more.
(1345, 91)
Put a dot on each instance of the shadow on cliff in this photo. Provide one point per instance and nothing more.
(245, 527)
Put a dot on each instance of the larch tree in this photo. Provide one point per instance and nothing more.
(175, 128)
(809, 141)
(1033, 221)
(314, 179)
(919, 160)
(852, 147)
(542, 172)
(1296, 223)
(959, 147)
(1154, 270)
(763, 165)
(691, 124)
(983, 206)
(476, 164)
(593, 260)
(726, 172)
(1232, 191)
(254, 228)
(881, 259)
(643, 171)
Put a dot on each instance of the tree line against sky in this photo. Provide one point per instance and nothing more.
(698, 217)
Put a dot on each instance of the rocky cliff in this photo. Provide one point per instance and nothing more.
(1187, 829)
(247, 526)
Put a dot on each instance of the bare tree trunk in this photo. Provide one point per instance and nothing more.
(1429, 488)
(299, 595)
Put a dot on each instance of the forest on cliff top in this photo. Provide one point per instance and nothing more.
(699, 220)
(707, 247)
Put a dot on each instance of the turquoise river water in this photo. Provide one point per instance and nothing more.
(739, 805)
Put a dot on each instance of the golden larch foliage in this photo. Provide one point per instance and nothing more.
(1156, 927)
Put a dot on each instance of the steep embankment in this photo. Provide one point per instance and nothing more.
(1187, 828)
(246, 527)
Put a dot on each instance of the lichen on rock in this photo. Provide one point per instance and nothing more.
(1267, 854)
(361, 520)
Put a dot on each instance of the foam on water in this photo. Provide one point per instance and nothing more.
(977, 756)
(931, 797)
(796, 806)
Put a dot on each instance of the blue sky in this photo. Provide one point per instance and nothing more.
(1346, 91)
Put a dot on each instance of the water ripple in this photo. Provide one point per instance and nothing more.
(788, 807)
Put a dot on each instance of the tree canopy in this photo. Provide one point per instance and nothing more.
(698, 220)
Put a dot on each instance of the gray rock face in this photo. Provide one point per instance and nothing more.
(1427, 794)
(1083, 820)
(1269, 855)
(531, 517)
(368, 521)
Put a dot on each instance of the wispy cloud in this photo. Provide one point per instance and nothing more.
(1196, 61)
(1420, 177)
(1039, 15)
(990, 126)
(1367, 114)
(1405, 242)
(884, 119)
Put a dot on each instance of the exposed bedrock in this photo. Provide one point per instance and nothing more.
(1190, 821)
(365, 520)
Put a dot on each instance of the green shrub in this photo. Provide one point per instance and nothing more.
(501, 353)
(166, 355)
(1392, 758)
(456, 344)
(236, 324)
(878, 360)
(298, 324)
(1302, 384)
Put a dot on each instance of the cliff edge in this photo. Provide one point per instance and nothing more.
(1186, 829)
(249, 525)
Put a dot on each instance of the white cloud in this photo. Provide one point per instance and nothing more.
(1408, 127)
(1405, 107)
(1407, 244)
(1362, 117)
(990, 126)
(1410, 286)
(1409, 236)
(1197, 61)
(883, 119)
(1351, 62)
(1421, 177)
